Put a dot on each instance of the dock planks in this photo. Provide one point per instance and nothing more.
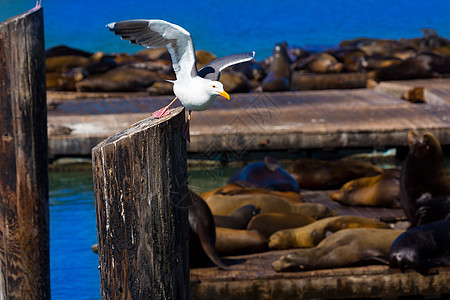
(360, 118)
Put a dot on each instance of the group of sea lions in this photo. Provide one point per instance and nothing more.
(250, 215)
(71, 69)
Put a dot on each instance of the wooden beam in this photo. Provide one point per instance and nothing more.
(24, 220)
(140, 185)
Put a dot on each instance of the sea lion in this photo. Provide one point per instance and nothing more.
(423, 171)
(381, 191)
(267, 174)
(422, 247)
(243, 187)
(312, 234)
(269, 223)
(324, 63)
(235, 241)
(202, 232)
(235, 82)
(63, 50)
(64, 63)
(238, 219)
(279, 76)
(341, 249)
(423, 65)
(223, 205)
(317, 174)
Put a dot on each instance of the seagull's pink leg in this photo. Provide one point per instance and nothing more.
(163, 111)
(38, 5)
(185, 128)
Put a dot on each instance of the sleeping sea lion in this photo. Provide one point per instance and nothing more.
(267, 174)
(223, 205)
(423, 171)
(381, 191)
(269, 223)
(202, 232)
(243, 187)
(341, 249)
(312, 234)
(422, 247)
(235, 241)
(279, 76)
(238, 219)
(317, 174)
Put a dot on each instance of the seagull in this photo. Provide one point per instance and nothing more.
(196, 90)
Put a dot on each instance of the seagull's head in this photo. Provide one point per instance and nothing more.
(216, 88)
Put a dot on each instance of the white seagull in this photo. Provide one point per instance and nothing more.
(195, 89)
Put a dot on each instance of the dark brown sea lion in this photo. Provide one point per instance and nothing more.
(423, 65)
(202, 233)
(268, 174)
(381, 191)
(243, 187)
(279, 76)
(423, 171)
(269, 223)
(317, 174)
(223, 205)
(432, 209)
(422, 247)
(341, 249)
(238, 219)
(312, 234)
(236, 242)
(63, 50)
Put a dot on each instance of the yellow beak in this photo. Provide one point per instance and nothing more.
(225, 95)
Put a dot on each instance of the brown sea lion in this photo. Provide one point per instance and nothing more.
(235, 82)
(324, 63)
(223, 205)
(268, 174)
(432, 209)
(63, 50)
(236, 242)
(202, 232)
(317, 174)
(422, 247)
(341, 249)
(64, 63)
(269, 223)
(312, 234)
(243, 187)
(423, 171)
(279, 76)
(381, 191)
(238, 219)
(119, 80)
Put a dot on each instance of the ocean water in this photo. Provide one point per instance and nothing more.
(225, 27)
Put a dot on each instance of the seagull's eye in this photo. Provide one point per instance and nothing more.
(214, 86)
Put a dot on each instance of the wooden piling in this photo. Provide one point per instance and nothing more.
(24, 219)
(140, 185)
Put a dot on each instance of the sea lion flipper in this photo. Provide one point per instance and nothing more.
(211, 252)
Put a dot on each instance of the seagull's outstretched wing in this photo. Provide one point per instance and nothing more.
(212, 70)
(157, 34)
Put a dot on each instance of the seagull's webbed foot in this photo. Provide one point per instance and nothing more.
(161, 112)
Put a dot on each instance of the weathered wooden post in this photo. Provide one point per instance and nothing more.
(140, 185)
(24, 219)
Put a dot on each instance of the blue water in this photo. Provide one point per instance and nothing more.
(225, 27)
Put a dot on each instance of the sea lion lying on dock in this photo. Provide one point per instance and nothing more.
(268, 174)
(381, 191)
(423, 171)
(312, 234)
(422, 247)
(341, 249)
(235, 241)
(243, 187)
(269, 223)
(223, 205)
(317, 174)
(238, 219)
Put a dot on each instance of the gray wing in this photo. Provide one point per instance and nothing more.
(157, 34)
(212, 70)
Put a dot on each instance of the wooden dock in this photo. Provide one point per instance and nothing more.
(331, 119)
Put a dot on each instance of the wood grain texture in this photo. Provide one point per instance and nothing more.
(24, 220)
(140, 185)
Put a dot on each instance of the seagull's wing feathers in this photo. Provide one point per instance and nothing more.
(212, 70)
(157, 34)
